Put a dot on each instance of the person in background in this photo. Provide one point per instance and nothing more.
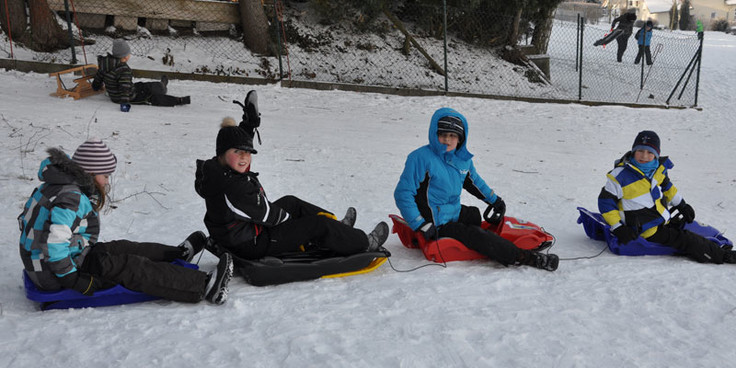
(116, 76)
(644, 39)
(624, 27)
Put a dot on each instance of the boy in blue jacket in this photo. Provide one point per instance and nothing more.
(428, 195)
(644, 39)
(636, 198)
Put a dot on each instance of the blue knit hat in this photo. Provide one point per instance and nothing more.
(646, 140)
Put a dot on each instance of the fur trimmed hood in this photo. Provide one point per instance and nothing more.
(59, 169)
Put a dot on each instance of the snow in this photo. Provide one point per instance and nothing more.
(340, 149)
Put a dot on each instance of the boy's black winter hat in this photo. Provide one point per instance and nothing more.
(451, 124)
(648, 140)
(234, 137)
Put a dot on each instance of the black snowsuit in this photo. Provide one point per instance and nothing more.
(117, 78)
(241, 219)
(65, 253)
(621, 34)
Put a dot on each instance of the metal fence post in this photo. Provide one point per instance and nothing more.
(577, 44)
(444, 27)
(580, 72)
(71, 33)
(700, 58)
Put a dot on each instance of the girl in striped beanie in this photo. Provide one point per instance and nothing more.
(60, 230)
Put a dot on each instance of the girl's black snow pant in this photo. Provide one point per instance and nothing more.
(467, 230)
(306, 227)
(692, 245)
(145, 267)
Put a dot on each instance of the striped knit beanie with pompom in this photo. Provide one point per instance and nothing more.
(95, 157)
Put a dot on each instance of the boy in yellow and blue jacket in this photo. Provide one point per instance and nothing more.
(636, 199)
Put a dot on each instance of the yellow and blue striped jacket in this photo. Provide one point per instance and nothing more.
(630, 198)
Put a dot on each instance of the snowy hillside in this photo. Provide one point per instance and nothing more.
(340, 149)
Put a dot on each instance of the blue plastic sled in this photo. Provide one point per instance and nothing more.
(597, 229)
(67, 298)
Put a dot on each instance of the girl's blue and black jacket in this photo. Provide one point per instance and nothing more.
(429, 188)
(630, 198)
(58, 221)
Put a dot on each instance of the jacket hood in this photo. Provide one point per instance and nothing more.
(59, 169)
(628, 157)
(434, 142)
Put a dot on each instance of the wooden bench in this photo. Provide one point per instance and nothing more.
(82, 84)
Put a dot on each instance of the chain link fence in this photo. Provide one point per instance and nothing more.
(391, 50)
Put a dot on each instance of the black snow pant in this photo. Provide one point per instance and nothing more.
(690, 244)
(306, 227)
(467, 230)
(145, 267)
(623, 42)
(153, 93)
(609, 37)
(644, 50)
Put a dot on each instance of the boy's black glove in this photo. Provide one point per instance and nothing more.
(687, 211)
(428, 230)
(84, 283)
(625, 234)
(499, 211)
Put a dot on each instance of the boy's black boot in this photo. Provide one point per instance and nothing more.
(194, 244)
(377, 237)
(350, 216)
(183, 100)
(729, 256)
(542, 261)
(216, 290)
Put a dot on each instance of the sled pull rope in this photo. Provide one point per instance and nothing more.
(436, 239)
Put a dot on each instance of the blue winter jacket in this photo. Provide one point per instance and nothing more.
(58, 221)
(429, 188)
(644, 37)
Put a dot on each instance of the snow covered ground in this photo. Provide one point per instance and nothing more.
(339, 149)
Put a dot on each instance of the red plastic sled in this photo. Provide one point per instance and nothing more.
(525, 235)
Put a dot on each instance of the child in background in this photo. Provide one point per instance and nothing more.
(644, 39)
(636, 198)
(60, 227)
(114, 73)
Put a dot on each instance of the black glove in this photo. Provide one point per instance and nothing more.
(687, 211)
(84, 283)
(428, 230)
(124, 107)
(625, 234)
(499, 210)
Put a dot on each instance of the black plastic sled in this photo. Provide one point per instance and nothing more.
(302, 266)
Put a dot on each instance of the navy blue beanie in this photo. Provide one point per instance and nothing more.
(646, 140)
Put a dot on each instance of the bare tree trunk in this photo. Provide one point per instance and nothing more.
(255, 26)
(16, 13)
(514, 34)
(46, 34)
(543, 31)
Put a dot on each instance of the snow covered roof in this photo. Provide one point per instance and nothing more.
(730, 2)
(659, 6)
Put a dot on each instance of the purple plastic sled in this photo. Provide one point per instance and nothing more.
(67, 298)
(597, 229)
